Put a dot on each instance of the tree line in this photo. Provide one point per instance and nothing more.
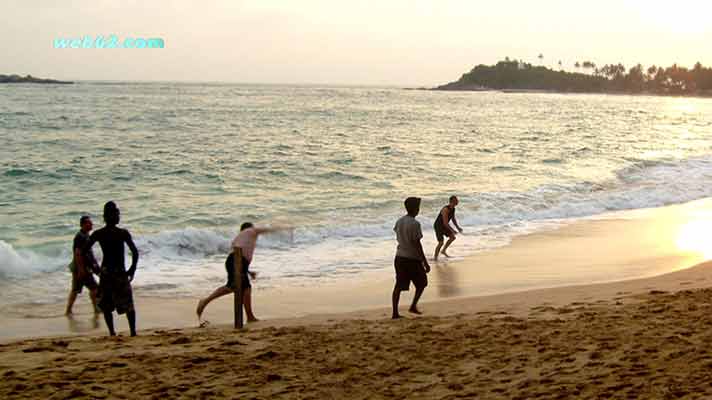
(609, 78)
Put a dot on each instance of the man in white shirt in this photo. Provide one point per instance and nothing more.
(410, 262)
(244, 244)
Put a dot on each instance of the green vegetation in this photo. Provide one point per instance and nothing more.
(27, 79)
(518, 75)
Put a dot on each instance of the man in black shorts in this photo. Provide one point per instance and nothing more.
(410, 262)
(115, 281)
(244, 244)
(442, 227)
(82, 266)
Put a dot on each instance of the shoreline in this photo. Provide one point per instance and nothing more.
(637, 338)
(613, 236)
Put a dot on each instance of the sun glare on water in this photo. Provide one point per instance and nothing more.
(696, 237)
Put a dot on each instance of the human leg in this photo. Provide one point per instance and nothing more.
(109, 319)
(92, 296)
(70, 301)
(73, 292)
(414, 306)
(437, 250)
(131, 317)
(447, 244)
(247, 302)
(420, 281)
(395, 298)
(219, 292)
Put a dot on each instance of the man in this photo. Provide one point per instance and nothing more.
(442, 227)
(115, 282)
(243, 246)
(410, 262)
(82, 266)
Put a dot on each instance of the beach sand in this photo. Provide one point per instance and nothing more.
(643, 338)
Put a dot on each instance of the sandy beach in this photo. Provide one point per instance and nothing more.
(641, 338)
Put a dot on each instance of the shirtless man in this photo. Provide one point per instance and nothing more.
(115, 281)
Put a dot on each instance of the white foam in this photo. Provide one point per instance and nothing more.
(185, 256)
(17, 263)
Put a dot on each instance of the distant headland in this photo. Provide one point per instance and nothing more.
(518, 76)
(29, 79)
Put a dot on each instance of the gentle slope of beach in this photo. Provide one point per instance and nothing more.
(626, 340)
(640, 338)
(621, 246)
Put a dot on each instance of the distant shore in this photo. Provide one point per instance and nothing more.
(30, 79)
(475, 88)
(519, 76)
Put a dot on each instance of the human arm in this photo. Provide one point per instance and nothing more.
(84, 255)
(134, 256)
(271, 229)
(419, 248)
(422, 257)
(454, 221)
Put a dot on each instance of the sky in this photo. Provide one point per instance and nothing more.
(386, 42)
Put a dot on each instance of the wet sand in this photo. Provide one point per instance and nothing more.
(628, 340)
(641, 338)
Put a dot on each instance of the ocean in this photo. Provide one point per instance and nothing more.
(187, 163)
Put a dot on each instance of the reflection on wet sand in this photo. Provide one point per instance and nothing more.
(79, 326)
(446, 280)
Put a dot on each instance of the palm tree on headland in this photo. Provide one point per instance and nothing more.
(561, 65)
(541, 58)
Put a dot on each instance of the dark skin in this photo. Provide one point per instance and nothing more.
(418, 291)
(112, 244)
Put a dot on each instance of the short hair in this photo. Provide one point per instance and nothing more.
(246, 225)
(111, 213)
(453, 197)
(411, 204)
(84, 219)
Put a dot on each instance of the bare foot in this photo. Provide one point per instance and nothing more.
(414, 310)
(396, 316)
(253, 319)
(204, 324)
(445, 254)
(68, 313)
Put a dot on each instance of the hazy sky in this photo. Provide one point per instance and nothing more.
(396, 42)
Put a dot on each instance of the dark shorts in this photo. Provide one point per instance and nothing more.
(230, 268)
(115, 291)
(409, 270)
(78, 284)
(440, 233)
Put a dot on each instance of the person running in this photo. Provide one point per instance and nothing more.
(82, 266)
(115, 281)
(410, 263)
(243, 244)
(442, 227)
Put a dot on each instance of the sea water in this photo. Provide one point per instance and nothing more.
(188, 163)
